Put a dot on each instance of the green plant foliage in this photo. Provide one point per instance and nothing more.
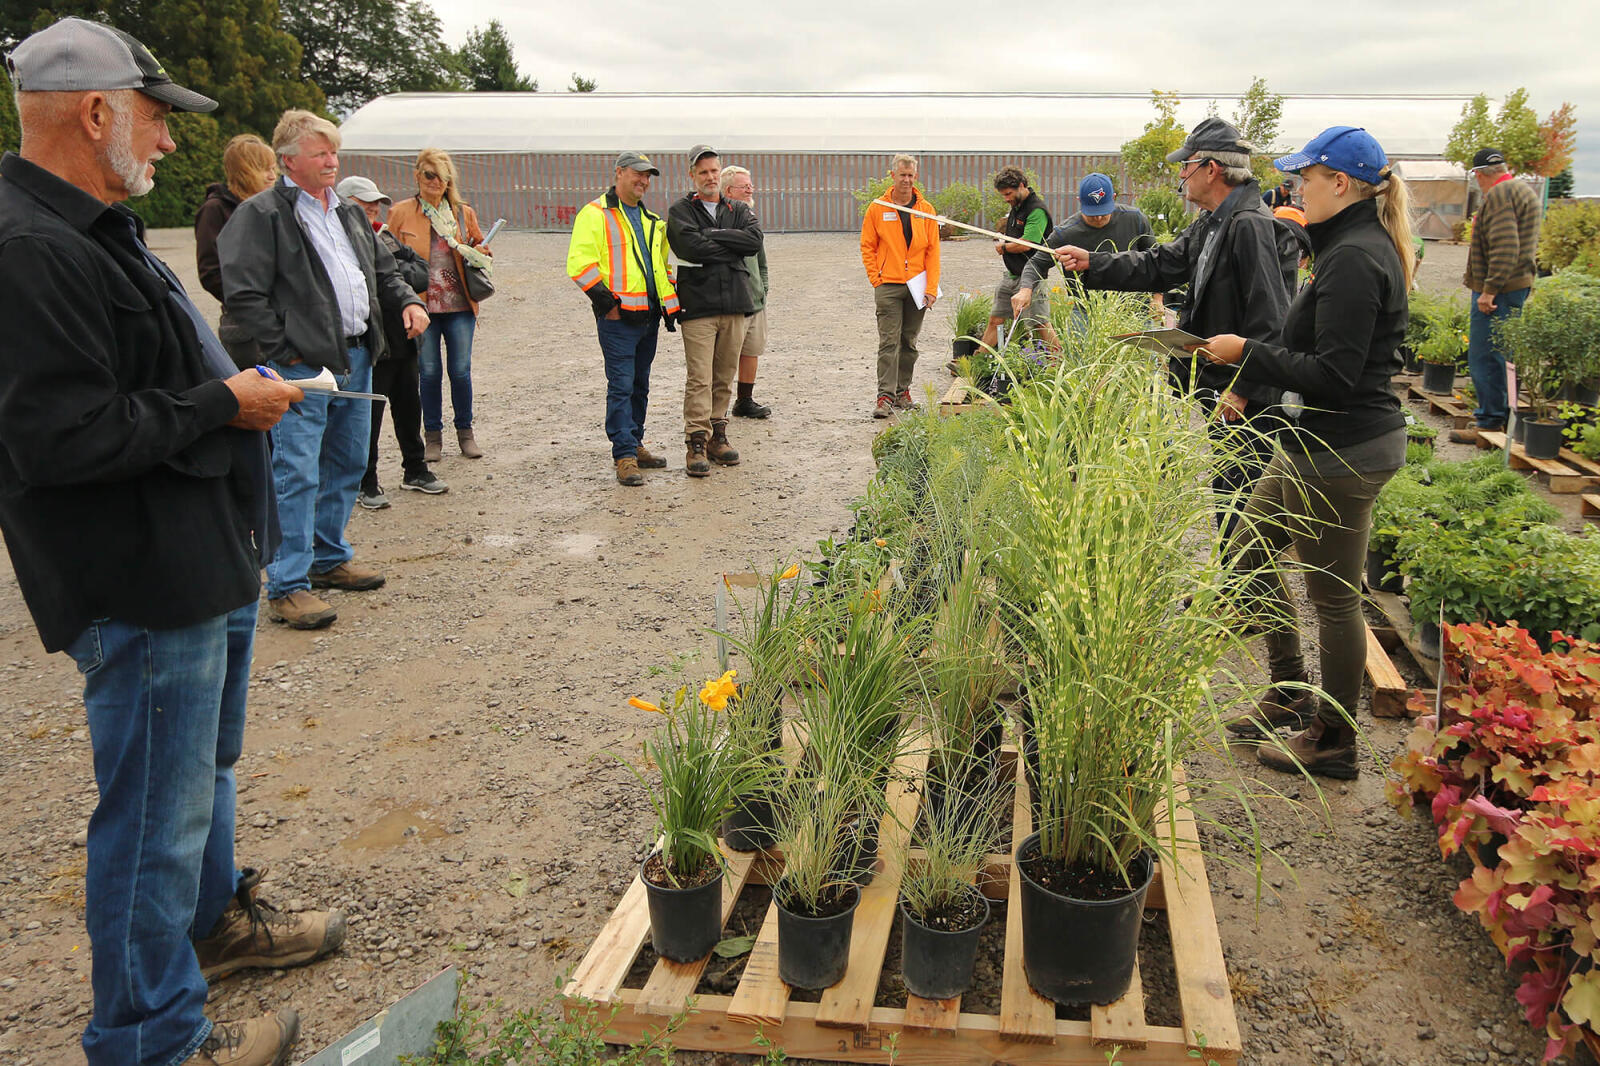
(1473, 130)
(1258, 115)
(487, 1035)
(995, 207)
(488, 62)
(357, 50)
(1555, 339)
(182, 177)
(1569, 232)
(960, 201)
(1164, 206)
(1559, 189)
(969, 315)
(1145, 157)
(1437, 329)
(876, 189)
(1514, 130)
(10, 132)
(580, 84)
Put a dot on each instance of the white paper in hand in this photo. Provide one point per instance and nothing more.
(918, 287)
(323, 382)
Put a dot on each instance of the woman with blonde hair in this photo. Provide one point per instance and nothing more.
(248, 167)
(1338, 350)
(444, 230)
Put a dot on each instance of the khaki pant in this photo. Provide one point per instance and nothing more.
(899, 322)
(755, 335)
(711, 351)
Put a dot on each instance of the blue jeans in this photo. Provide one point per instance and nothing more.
(319, 453)
(454, 329)
(628, 350)
(1487, 360)
(166, 714)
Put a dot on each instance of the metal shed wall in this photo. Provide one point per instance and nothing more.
(796, 192)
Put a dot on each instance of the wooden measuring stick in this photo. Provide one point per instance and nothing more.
(976, 229)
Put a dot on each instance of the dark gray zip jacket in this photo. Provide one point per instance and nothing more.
(1240, 288)
(277, 289)
(712, 278)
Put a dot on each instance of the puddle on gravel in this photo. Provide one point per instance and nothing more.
(393, 829)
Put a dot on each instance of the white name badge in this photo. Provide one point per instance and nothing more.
(890, 216)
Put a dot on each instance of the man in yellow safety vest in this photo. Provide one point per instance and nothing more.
(618, 257)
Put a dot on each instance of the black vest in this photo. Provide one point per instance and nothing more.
(1016, 222)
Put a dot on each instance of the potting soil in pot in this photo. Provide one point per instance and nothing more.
(960, 915)
(1079, 882)
(655, 871)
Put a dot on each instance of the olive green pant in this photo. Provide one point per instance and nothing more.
(899, 322)
(1327, 520)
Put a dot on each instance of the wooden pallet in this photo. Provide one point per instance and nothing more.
(1390, 693)
(1399, 632)
(1460, 417)
(1589, 505)
(1561, 478)
(846, 1026)
(963, 396)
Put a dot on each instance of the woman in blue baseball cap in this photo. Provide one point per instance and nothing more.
(1338, 351)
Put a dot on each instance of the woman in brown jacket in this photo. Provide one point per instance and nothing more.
(248, 166)
(443, 230)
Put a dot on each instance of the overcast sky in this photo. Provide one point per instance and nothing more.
(1342, 46)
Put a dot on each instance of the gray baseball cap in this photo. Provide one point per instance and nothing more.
(637, 161)
(1212, 135)
(699, 152)
(76, 55)
(366, 190)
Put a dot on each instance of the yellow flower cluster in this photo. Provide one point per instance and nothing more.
(718, 691)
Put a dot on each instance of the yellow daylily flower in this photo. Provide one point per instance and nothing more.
(792, 572)
(880, 542)
(717, 691)
(644, 705)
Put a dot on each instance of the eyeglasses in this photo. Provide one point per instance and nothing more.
(1196, 163)
(428, 175)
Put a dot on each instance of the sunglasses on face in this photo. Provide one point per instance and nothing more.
(428, 175)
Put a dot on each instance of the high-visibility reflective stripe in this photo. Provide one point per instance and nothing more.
(634, 302)
(589, 278)
(617, 248)
(671, 306)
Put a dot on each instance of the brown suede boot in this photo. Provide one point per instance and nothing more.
(254, 933)
(1280, 707)
(432, 445)
(1324, 750)
(468, 444)
(264, 1041)
(649, 460)
(719, 451)
(628, 471)
(695, 463)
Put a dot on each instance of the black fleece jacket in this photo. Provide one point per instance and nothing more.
(712, 278)
(1341, 339)
(1239, 289)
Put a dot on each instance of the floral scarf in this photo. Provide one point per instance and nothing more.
(444, 224)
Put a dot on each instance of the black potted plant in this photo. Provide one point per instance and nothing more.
(1554, 340)
(1442, 346)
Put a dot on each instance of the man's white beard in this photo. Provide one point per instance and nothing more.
(119, 155)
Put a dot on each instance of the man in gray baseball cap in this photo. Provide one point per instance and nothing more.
(136, 499)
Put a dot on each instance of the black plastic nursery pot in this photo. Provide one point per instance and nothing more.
(963, 347)
(751, 825)
(1428, 638)
(857, 856)
(938, 963)
(813, 952)
(1519, 428)
(1409, 361)
(1381, 574)
(1542, 440)
(1077, 950)
(685, 923)
(1586, 395)
(1439, 378)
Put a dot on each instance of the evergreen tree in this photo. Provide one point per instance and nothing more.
(580, 84)
(490, 64)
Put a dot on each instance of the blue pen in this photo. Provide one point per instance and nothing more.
(268, 372)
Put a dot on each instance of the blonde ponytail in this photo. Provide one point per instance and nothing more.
(1394, 211)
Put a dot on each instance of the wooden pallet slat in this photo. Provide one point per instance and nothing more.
(600, 974)
(1390, 692)
(762, 998)
(1560, 478)
(1460, 417)
(1121, 1023)
(1025, 1015)
(1589, 505)
(1203, 992)
(671, 983)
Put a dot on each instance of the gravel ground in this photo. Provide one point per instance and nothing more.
(440, 764)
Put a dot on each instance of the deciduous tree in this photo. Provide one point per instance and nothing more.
(356, 50)
(1145, 157)
(1559, 132)
(1258, 115)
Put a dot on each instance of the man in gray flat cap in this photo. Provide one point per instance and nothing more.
(137, 503)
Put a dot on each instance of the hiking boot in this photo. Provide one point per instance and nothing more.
(884, 407)
(432, 445)
(350, 576)
(746, 407)
(424, 481)
(628, 471)
(263, 1041)
(719, 450)
(1280, 707)
(373, 499)
(1324, 750)
(649, 460)
(904, 402)
(252, 932)
(301, 610)
(468, 444)
(695, 463)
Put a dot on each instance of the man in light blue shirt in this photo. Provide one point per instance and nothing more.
(315, 311)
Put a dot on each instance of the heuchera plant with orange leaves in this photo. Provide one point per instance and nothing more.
(1515, 756)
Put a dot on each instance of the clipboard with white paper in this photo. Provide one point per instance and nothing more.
(1162, 341)
(918, 287)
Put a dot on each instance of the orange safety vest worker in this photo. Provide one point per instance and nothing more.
(608, 264)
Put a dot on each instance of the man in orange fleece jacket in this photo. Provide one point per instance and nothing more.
(896, 247)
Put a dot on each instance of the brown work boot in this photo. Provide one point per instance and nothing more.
(884, 407)
(432, 445)
(628, 471)
(252, 932)
(468, 444)
(263, 1041)
(1324, 750)
(719, 450)
(1280, 707)
(695, 463)
(301, 610)
(649, 460)
(350, 576)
